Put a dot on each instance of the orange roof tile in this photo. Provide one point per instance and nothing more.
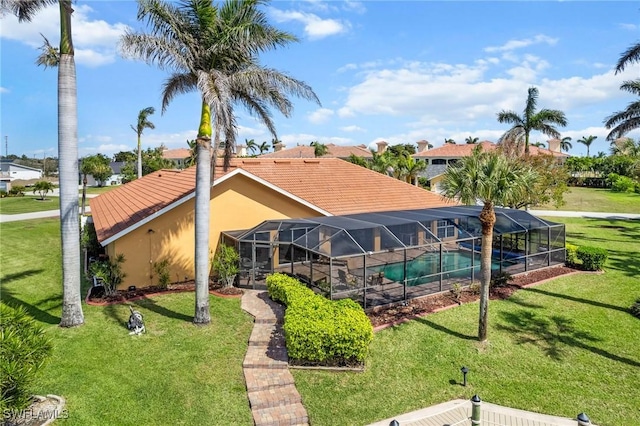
(176, 154)
(334, 151)
(332, 185)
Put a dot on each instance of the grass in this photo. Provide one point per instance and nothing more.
(27, 204)
(175, 374)
(598, 200)
(99, 189)
(560, 348)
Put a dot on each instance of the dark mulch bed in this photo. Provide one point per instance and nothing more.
(125, 295)
(422, 306)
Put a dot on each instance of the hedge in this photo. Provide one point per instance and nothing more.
(319, 331)
(572, 255)
(593, 258)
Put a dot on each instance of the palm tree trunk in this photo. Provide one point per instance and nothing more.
(68, 168)
(139, 158)
(203, 200)
(487, 219)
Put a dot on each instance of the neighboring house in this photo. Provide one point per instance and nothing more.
(179, 156)
(152, 218)
(12, 171)
(114, 179)
(306, 151)
(438, 159)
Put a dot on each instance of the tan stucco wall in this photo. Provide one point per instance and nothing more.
(237, 203)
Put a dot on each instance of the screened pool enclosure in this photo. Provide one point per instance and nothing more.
(389, 257)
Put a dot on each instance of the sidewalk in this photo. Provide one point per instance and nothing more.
(34, 215)
(273, 396)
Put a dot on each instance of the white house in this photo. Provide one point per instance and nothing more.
(13, 171)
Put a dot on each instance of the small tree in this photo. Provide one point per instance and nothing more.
(225, 264)
(42, 187)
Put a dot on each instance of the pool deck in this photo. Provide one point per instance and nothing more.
(458, 412)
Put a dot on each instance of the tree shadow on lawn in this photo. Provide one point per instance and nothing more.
(444, 329)
(119, 312)
(624, 262)
(33, 309)
(575, 299)
(552, 335)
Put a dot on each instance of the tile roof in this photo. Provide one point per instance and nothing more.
(176, 154)
(464, 150)
(333, 185)
(302, 151)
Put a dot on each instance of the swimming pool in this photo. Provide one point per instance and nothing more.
(455, 264)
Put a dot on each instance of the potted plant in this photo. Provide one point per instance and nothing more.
(225, 264)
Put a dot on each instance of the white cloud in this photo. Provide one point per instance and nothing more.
(354, 6)
(314, 26)
(352, 128)
(630, 27)
(319, 116)
(95, 40)
(4, 90)
(519, 44)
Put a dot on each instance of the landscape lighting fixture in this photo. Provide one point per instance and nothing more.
(464, 370)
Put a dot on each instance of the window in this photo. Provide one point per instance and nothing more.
(446, 229)
(438, 161)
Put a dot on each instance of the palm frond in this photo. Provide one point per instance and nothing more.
(25, 10)
(631, 55)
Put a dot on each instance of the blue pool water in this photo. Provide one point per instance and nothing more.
(455, 264)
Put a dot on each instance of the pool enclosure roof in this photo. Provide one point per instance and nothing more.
(354, 234)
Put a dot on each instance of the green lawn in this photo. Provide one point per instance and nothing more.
(175, 374)
(27, 204)
(560, 348)
(99, 189)
(598, 200)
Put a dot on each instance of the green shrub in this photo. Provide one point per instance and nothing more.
(24, 348)
(226, 264)
(620, 183)
(572, 255)
(319, 331)
(500, 279)
(3, 193)
(283, 288)
(635, 309)
(109, 272)
(17, 191)
(162, 269)
(592, 258)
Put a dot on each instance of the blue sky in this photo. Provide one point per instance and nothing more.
(383, 70)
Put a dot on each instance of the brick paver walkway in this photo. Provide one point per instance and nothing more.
(272, 393)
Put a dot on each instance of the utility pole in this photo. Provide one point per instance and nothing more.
(6, 146)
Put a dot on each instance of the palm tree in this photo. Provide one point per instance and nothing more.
(538, 144)
(565, 144)
(494, 180)
(213, 49)
(471, 140)
(587, 141)
(449, 141)
(143, 123)
(542, 121)
(413, 168)
(67, 154)
(622, 122)
(251, 145)
(263, 147)
(319, 149)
